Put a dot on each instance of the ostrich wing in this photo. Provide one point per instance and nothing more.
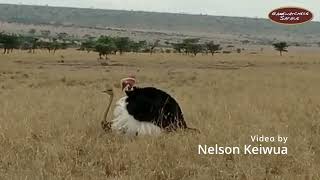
(142, 107)
(156, 106)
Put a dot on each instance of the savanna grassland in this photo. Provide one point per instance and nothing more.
(50, 115)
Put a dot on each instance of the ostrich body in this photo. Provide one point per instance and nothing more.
(144, 111)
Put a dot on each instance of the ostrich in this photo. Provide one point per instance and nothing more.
(143, 111)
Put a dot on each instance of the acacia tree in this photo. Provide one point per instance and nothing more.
(137, 46)
(45, 33)
(45, 45)
(88, 45)
(62, 35)
(87, 36)
(213, 48)
(178, 47)
(9, 42)
(104, 46)
(52, 46)
(195, 48)
(281, 47)
(122, 44)
(29, 43)
(191, 45)
(32, 32)
(58, 45)
(154, 45)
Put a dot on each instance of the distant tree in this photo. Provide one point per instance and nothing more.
(122, 44)
(178, 47)
(105, 46)
(213, 48)
(138, 46)
(56, 45)
(44, 45)
(195, 48)
(32, 32)
(154, 45)
(245, 41)
(318, 44)
(34, 45)
(281, 47)
(87, 45)
(29, 43)
(62, 36)
(191, 41)
(87, 36)
(47, 45)
(296, 44)
(9, 42)
(191, 45)
(52, 46)
(45, 33)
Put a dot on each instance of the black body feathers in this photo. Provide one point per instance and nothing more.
(156, 106)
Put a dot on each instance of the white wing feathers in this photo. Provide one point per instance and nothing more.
(124, 123)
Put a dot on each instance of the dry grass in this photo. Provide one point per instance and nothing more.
(50, 116)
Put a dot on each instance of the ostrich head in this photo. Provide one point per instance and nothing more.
(128, 83)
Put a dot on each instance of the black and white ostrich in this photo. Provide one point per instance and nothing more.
(144, 111)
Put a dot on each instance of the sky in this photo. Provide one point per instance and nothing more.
(241, 8)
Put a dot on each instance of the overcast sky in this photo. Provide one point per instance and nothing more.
(244, 8)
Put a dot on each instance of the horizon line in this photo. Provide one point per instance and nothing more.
(145, 11)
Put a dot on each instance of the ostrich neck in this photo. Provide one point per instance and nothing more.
(108, 108)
